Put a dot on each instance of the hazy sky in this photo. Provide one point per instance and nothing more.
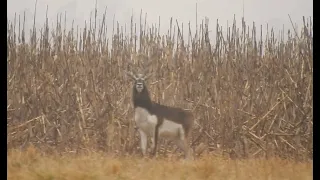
(274, 12)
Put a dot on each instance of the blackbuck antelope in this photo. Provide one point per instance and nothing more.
(159, 121)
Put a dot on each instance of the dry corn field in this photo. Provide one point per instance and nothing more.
(70, 113)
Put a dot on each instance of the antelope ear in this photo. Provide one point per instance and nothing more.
(130, 74)
(148, 76)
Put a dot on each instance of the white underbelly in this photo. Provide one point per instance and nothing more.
(147, 127)
(147, 123)
(170, 129)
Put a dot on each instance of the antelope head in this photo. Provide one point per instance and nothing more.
(139, 79)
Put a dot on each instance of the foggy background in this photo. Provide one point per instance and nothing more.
(273, 12)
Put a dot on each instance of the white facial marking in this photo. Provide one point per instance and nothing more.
(139, 87)
(139, 82)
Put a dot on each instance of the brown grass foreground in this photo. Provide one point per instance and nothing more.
(31, 164)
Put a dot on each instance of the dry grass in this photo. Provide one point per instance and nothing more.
(31, 164)
(251, 94)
